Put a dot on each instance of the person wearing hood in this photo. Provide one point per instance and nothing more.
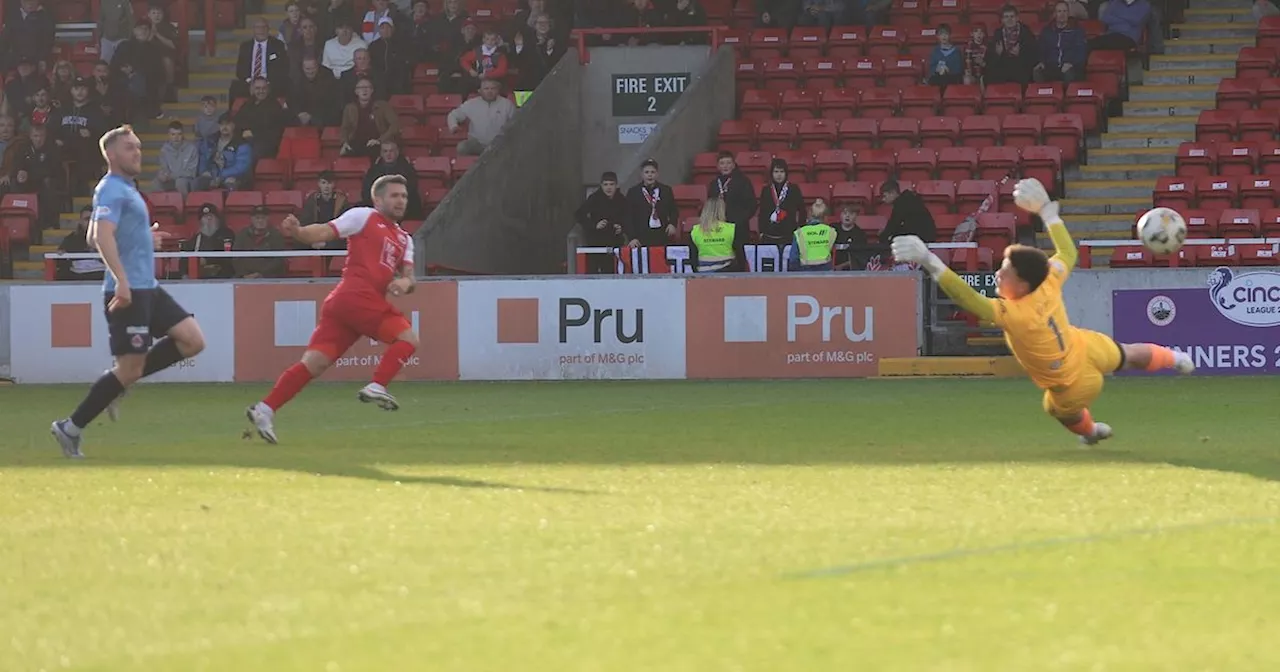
(179, 162)
(389, 57)
(1011, 54)
(603, 217)
(1063, 49)
(781, 206)
(946, 62)
(909, 215)
(1126, 20)
(212, 236)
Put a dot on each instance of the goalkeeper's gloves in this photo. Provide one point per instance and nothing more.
(911, 249)
(1031, 196)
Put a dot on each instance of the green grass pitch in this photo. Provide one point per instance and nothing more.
(825, 525)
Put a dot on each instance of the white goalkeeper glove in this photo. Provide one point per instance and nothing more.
(1031, 196)
(911, 249)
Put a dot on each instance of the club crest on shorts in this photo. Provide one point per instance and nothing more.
(136, 341)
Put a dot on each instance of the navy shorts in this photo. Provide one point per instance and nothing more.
(150, 315)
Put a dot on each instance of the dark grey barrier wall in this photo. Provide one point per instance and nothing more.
(510, 213)
(692, 124)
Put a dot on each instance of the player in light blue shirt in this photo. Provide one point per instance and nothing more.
(149, 331)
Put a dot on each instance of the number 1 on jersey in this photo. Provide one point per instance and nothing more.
(1062, 345)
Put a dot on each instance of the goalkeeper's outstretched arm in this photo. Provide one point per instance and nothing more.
(914, 250)
(1064, 248)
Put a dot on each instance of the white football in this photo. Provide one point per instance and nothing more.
(1162, 230)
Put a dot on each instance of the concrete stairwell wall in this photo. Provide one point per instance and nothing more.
(510, 213)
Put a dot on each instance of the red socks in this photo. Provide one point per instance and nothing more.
(1085, 426)
(1161, 357)
(288, 385)
(394, 359)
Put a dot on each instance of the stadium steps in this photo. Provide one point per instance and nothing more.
(1105, 195)
(207, 75)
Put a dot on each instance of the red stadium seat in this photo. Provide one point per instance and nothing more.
(920, 39)
(754, 164)
(440, 104)
(166, 208)
(775, 135)
(949, 12)
(863, 73)
(813, 191)
(431, 198)
(1258, 254)
(939, 196)
(1255, 63)
(921, 101)
(1237, 94)
(1002, 99)
(980, 131)
(885, 41)
(1021, 130)
(971, 193)
(1269, 158)
(858, 133)
(239, 208)
(961, 100)
(858, 194)
(878, 103)
(766, 43)
(816, 134)
(1270, 223)
(939, 132)
(196, 200)
(1259, 192)
(899, 132)
(348, 173)
(846, 42)
(799, 104)
(433, 171)
(704, 166)
(461, 165)
(306, 171)
(1043, 98)
(1239, 223)
(832, 165)
(838, 104)
(418, 139)
(19, 216)
(996, 231)
(1216, 126)
(1196, 159)
(689, 198)
(1086, 100)
(807, 42)
(781, 74)
(822, 73)
(409, 107)
(1257, 125)
(1217, 192)
(874, 165)
(1066, 132)
(736, 40)
(1236, 158)
(1044, 163)
(736, 135)
(759, 104)
(1269, 32)
(873, 225)
(281, 203)
(1200, 223)
(947, 223)
(799, 163)
(957, 163)
(995, 163)
(1174, 192)
(917, 164)
(1269, 93)
(750, 74)
(902, 72)
(270, 174)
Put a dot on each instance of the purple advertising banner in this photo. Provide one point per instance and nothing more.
(1231, 327)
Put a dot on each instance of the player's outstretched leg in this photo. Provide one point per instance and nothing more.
(393, 360)
(1152, 357)
(1090, 432)
(288, 385)
(183, 341)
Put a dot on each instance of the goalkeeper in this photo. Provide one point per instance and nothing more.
(1066, 362)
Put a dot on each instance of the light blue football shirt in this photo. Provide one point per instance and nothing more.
(116, 200)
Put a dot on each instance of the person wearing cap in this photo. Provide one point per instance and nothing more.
(30, 35)
(77, 242)
(226, 162)
(212, 236)
(179, 161)
(651, 208)
(259, 236)
(340, 52)
(78, 127)
(381, 9)
(781, 206)
(390, 57)
(603, 218)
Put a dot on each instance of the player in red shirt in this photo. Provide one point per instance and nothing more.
(379, 265)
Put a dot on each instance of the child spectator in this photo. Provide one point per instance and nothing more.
(207, 121)
(781, 206)
(975, 55)
(487, 61)
(946, 63)
(179, 161)
(291, 27)
(853, 239)
(63, 76)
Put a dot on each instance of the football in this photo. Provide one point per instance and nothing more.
(1162, 230)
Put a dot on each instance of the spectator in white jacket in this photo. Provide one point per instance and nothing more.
(340, 51)
(485, 115)
(179, 160)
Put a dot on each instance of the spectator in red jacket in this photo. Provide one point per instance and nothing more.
(487, 61)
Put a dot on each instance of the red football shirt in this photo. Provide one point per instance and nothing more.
(376, 249)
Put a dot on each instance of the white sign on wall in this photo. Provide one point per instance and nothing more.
(634, 134)
(570, 329)
(59, 333)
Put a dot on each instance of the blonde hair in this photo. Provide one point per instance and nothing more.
(111, 136)
(819, 210)
(712, 214)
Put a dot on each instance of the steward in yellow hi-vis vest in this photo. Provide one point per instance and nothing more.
(713, 238)
(813, 244)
